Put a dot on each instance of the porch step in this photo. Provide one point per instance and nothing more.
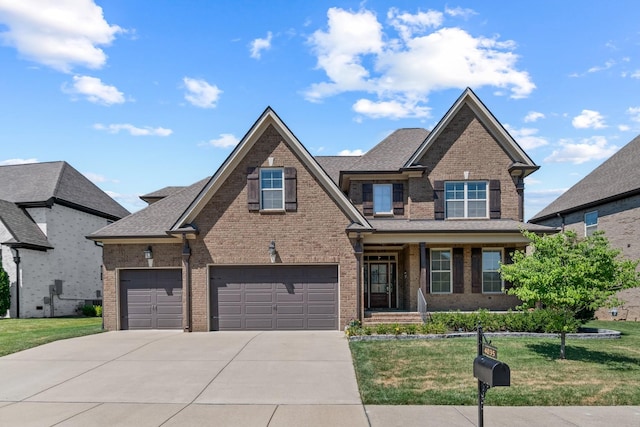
(400, 317)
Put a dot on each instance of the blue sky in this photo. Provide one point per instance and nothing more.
(139, 95)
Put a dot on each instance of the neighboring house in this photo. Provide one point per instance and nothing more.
(278, 239)
(46, 210)
(608, 199)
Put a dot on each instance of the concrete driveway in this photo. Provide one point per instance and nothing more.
(153, 378)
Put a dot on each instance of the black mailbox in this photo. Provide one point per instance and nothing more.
(491, 372)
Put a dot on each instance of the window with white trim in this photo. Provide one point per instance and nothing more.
(491, 279)
(382, 199)
(590, 223)
(272, 189)
(440, 271)
(466, 199)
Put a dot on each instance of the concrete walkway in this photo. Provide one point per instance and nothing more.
(169, 378)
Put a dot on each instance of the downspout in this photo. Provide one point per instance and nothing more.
(186, 262)
(561, 221)
(357, 250)
(16, 259)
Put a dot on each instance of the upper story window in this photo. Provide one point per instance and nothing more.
(271, 189)
(382, 199)
(466, 199)
(491, 279)
(590, 223)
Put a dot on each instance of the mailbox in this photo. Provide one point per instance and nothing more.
(491, 372)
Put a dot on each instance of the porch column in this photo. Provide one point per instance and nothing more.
(423, 268)
(357, 250)
(186, 278)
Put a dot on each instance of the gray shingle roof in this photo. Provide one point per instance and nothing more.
(20, 225)
(392, 152)
(56, 181)
(457, 226)
(616, 177)
(332, 165)
(154, 220)
(160, 194)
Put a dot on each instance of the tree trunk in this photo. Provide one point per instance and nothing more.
(563, 336)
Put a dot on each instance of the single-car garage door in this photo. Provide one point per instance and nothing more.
(274, 297)
(151, 299)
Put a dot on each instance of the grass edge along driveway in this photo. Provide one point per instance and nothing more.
(440, 372)
(22, 334)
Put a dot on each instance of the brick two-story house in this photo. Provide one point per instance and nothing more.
(279, 239)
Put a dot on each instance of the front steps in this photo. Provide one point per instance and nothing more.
(390, 317)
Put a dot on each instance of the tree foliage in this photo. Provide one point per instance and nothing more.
(5, 291)
(568, 274)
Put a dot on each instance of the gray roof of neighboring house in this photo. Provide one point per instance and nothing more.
(45, 183)
(24, 232)
(392, 152)
(456, 226)
(154, 220)
(617, 177)
(333, 165)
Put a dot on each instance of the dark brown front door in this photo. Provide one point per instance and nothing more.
(379, 285)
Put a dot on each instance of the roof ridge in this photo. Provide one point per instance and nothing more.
(63, 167)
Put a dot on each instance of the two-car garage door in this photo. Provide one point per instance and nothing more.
(274, 297)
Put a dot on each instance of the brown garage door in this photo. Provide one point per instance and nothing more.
(151, 299)
(274, 297)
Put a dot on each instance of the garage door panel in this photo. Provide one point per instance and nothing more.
(151, 299)
(274, 297)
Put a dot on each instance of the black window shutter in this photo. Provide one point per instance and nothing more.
(438, 199)
(494, 199)
(476, 270)
(367, 199)
(253, 189)
(458, 270)
(398, 199)
(508, 259)
(290, 189)
(425, 260)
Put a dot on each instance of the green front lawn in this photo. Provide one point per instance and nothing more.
(440, 372)
(21, 334)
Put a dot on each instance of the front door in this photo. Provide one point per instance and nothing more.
(380, 282)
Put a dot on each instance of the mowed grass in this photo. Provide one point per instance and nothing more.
(440, 372)
(21, 334)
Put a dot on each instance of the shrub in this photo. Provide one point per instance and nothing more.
(5, 293)
(91, 310)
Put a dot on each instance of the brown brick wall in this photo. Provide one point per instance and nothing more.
(465, 145)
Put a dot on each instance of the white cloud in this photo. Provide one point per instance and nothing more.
(634, 112)
(97, 178)
(589, 119)
(610, 63)
(225, 140)
(357, 152)
(9, 162)
(533, 116)
(408, 25)
(526, 137)
(131, 202)
(458, 11)
(133, 130)
(200, 93)
(594, 148)
(357, 54)
(624, 128)
(59, 34)
(636, 74)
(390, 109)
(94, 90)
(258, 45)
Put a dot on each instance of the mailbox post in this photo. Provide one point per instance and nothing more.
(489, 371)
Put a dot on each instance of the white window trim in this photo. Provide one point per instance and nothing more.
(431, 271)
(390, 211)
(501, 250)
(281, 190)
(466, 200)
(588, 227)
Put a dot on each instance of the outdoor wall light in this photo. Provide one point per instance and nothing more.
(614, 311)
(148, 255)
(272, 251)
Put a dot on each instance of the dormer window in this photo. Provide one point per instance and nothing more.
(382, 199)
(466, 199)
